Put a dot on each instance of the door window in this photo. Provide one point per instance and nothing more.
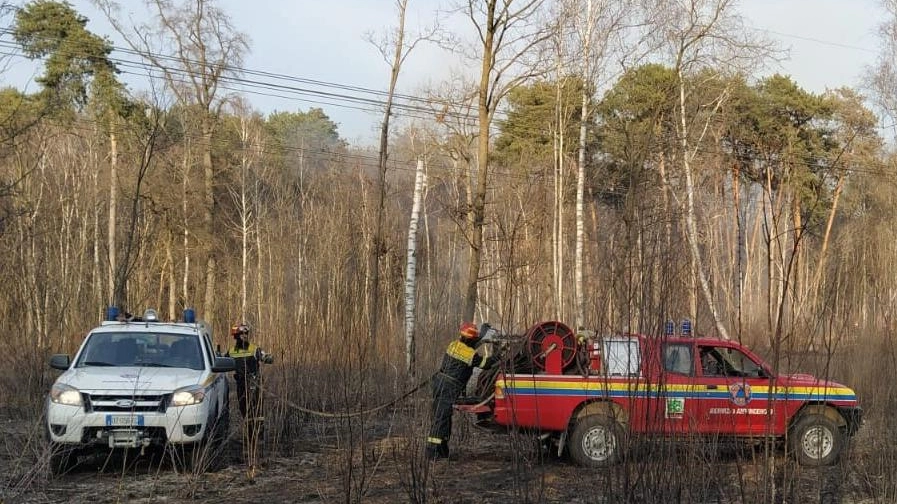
(725, 361)
(677, 358)
(622, 357)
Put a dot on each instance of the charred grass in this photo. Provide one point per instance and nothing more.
(358, 456)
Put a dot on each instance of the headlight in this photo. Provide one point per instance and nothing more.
(64, 394)
(186, 396)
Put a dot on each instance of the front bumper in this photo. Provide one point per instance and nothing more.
(74, 426)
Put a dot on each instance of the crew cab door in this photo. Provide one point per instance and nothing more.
(735, 389)
(220, 380)
(677, 401)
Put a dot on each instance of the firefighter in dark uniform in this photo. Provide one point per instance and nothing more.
(457, 366)
(247, 357)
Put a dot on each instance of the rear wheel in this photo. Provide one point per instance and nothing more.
(596, 441)
(816, 440)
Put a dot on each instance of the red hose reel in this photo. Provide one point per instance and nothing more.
(551, 346)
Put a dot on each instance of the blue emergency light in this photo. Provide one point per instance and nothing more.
(668, 328)
(686, 327)
(111, 313)
(189, 315)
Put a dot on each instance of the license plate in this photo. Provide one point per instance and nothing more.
(124, 420)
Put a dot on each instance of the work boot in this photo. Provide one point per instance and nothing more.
(436, 451)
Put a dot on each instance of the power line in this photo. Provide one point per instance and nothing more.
(365, 97)
(332, 94)
(818, 41)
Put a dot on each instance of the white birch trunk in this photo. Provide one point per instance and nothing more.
(578, 294)
(691, 230)
(420, 181)
(185, 281)
(245, 216)
(113, 205)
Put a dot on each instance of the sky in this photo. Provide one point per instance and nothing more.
(318, 54)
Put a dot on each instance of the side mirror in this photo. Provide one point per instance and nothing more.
(223, 365)
(60, 361)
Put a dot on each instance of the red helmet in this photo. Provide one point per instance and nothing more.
(469, 331)
(240, 329)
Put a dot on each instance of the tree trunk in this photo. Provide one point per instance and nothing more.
(691, 230)
(207, 220)
(376, 248)
(113, 205)
(578, 293)
(477, 215)
(420, 181)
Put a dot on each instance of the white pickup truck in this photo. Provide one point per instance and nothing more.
(138, 383)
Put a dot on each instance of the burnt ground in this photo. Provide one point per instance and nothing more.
(387, 467)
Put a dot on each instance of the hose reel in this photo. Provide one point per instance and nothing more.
(552, 346)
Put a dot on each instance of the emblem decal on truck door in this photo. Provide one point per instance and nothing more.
(740, 393)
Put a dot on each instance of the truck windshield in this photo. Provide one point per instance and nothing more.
(141, 349)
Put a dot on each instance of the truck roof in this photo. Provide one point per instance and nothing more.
(143, 326)
(674, 338)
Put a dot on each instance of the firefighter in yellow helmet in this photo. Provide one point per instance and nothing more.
(247, 357)
(457, 366)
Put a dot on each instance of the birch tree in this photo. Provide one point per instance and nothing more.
(248, 126)
(600, 27)
(881, 78)
(420, 183)
(702, 36)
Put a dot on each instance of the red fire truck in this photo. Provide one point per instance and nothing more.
(590, 395)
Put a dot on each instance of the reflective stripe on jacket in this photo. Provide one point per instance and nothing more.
(246, 359)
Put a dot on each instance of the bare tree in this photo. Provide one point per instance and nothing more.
(510, 35)
(601, 26)
(702, 36)
(195, 47)
(881, 78)
(243, 194)
(394, 47)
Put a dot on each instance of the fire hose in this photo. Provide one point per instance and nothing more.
(327, 414)
(402, 397)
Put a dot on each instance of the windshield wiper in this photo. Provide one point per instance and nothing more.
(152, 364)
(96, 363)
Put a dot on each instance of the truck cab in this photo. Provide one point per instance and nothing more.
(137, 383)
(668, 385)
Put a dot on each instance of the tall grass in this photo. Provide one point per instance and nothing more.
(361, 450)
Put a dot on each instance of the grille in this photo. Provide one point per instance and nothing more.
(125, 403)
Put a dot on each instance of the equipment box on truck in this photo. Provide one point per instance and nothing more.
(138, 383)
(589, 395)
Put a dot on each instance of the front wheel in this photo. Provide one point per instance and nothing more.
(596, 441)
(816, 440)
(62, 458)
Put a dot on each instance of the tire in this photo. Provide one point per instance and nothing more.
(223, 426)
(596, 441)
(62, 459)
(215, 449)
(188, 458)
(816, 440)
